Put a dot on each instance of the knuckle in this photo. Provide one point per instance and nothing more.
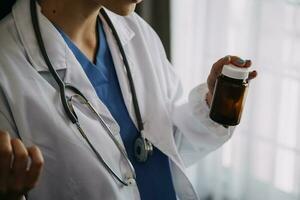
(35, 149)
(22, 156)
(4, 133)
(5, 151)
(216, 64)
(15, 140)
(40, 160)
(39, 164)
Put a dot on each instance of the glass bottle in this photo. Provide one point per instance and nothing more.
(229, 95)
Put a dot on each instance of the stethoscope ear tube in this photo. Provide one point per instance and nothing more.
(130, 79)
(61, 84)
(145, 146)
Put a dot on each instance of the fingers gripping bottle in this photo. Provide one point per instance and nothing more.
(229, 95)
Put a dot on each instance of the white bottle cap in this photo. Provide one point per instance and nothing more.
(235, 72)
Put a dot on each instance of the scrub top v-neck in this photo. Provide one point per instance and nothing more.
(153, 177)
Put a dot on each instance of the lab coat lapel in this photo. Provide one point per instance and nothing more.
(56, 50)
(77, 77)
(156, 133)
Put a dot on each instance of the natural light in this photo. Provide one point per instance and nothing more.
(262, 160)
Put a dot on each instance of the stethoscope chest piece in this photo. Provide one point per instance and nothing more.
(130, 181)
(142, 149)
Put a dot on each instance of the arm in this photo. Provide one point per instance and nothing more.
(196, 134)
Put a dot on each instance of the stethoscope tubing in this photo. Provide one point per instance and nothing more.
(70, 113)
(129, 74)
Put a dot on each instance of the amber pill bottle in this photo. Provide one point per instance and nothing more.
(229, 95)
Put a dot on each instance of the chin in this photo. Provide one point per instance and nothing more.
(124, 11)
(136, 1)
(121, 7)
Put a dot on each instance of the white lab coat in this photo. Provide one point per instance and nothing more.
(30, 108)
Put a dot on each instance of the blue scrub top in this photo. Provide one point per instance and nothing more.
(153, 177)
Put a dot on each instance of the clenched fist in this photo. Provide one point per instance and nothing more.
(20, 167)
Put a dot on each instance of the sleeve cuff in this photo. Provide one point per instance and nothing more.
(197, 97)
(199, 108)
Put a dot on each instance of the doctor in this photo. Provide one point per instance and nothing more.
(137, 137)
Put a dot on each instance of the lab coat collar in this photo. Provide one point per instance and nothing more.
(55, 45)
(124, 31)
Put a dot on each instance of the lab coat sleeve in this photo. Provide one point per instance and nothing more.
(195, 133)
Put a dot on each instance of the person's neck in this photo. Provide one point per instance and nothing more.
(76, 18)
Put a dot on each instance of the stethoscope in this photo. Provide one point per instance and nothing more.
(142, 147)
